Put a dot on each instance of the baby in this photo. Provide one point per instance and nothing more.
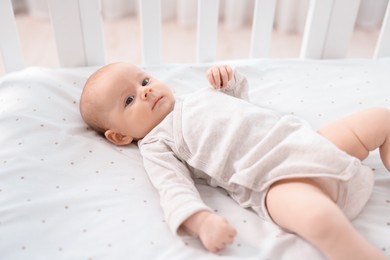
(307, 182)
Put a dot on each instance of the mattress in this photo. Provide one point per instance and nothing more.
(67, 193)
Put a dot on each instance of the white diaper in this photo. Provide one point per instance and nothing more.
(355, 192)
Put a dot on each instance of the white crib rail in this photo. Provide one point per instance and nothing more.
(79, 35)
(207, 30)
(383, 45)
(150, 16)
(329, 28)
(78, 31)
(9, 41)
(263, 18)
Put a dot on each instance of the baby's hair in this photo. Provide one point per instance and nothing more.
(89, 110)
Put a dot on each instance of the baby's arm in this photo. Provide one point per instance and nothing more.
(213, 230)
(183, 207)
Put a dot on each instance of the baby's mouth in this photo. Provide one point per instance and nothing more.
(156, 101)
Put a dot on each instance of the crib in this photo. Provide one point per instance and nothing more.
(66, 193)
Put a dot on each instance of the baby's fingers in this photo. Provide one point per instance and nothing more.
(210, 77)
(216, 74)
(219, 76)
(223, 244)
(224, 74)
(231, 235)
(226, 239)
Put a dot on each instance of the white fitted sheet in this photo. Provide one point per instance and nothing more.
(66, 193)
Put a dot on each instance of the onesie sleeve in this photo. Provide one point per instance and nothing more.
(179, 197)
(237, 86)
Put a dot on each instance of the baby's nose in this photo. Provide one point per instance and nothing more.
(146, 92)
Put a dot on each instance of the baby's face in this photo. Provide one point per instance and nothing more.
(135, 103)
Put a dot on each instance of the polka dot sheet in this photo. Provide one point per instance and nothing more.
(66, 193)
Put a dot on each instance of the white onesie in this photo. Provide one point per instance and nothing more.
(222, 138)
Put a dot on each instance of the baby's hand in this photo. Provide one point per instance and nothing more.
(219, 76)
(215, 233)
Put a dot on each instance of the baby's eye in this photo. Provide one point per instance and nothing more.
(145, 82)
(129, 100)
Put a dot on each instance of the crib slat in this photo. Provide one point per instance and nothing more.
(328, 28)
(314, 35)
(383, 46)
(78, 31)
(9, 39)
(207, 30)
(92, 26)
(263, 19)
(150, 18)
(340, 29)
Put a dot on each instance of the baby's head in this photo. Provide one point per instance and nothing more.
(124, 103)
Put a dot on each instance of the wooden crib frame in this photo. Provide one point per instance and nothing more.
(79, 34)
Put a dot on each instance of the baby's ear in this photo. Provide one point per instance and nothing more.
(117, 138)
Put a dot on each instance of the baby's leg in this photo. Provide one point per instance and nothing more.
(301, 207)
(362, 132)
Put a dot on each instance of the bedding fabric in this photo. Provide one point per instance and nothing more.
(66, 193)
